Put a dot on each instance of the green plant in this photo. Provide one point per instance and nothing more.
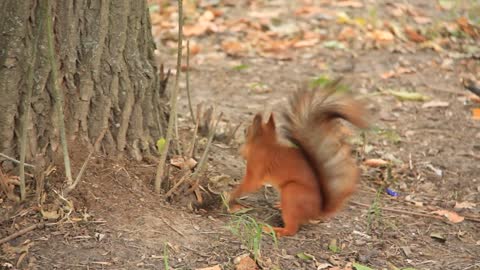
(375, 211)
(165, 256)
(250, 232)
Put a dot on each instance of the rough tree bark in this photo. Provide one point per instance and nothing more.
(106, 73)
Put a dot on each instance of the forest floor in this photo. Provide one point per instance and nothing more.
(407, 58)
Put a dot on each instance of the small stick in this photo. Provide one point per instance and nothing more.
(170, 192)
(22, 232)
(57, 95)
(188, 82)
(173, 101)
(202, 162)
(171, 227)
(84, 165)
(232, 135)
(16, 161)
(471, 86)
(194, 138)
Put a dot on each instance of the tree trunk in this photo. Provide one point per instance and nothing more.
(106, 75)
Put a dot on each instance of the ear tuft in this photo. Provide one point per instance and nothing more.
(271, 122)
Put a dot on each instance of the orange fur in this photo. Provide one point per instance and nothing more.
(317, 174)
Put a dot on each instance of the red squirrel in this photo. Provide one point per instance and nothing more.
(314, 171)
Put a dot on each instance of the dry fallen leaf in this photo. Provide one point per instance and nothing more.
(306, 43)
(375, 162)
(464, 205)
(474, 98)
(452, 216)
(422, 20)
(207, 16)
(233, 48)
(352, 4)
(413, 35)
(435, 104)
(195, 29)
(398, 71)
(476, 114)
(246, 263)
(347, 33)
(381, 36)
(183, 163)
(467, 27)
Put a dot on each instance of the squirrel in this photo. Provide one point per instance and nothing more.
(306, 159)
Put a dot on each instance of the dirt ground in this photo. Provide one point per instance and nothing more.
(432, 143)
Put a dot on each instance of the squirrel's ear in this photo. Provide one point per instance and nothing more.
(257, 120)
(271, 122)
(257, 123)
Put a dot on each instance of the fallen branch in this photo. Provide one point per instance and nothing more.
(15, 160)
(22, 232)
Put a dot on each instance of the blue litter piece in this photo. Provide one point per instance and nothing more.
(392, 193)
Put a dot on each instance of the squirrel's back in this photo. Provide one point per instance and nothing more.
(311, 124)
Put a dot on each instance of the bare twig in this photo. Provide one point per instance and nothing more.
(58, 97)
(182, 179)
(194, 138)
(188, 82)
(15, 160)
(202, 162)
(173, 102)
(471, 86)
(232, 134)
(84, 165)
(22, 232)
(171, 227)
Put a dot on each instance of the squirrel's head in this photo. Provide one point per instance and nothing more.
(258, 133)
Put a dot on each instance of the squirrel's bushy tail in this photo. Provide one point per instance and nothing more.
(310, 123)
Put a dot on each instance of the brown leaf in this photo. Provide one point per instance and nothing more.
(435, 104)
(246, 263)
(183, 163)
(347, 33)
(195, 29)
(216, 267)
(347, 3)
(464, 205)
(381, 36)
(422, 20)
(306, 43)
(375, 162)
(476, 114)
(474, 98)
(397, 72)
(207, 16)
(451, 216)
(234, 48)
(467, 27)
(413, 35)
